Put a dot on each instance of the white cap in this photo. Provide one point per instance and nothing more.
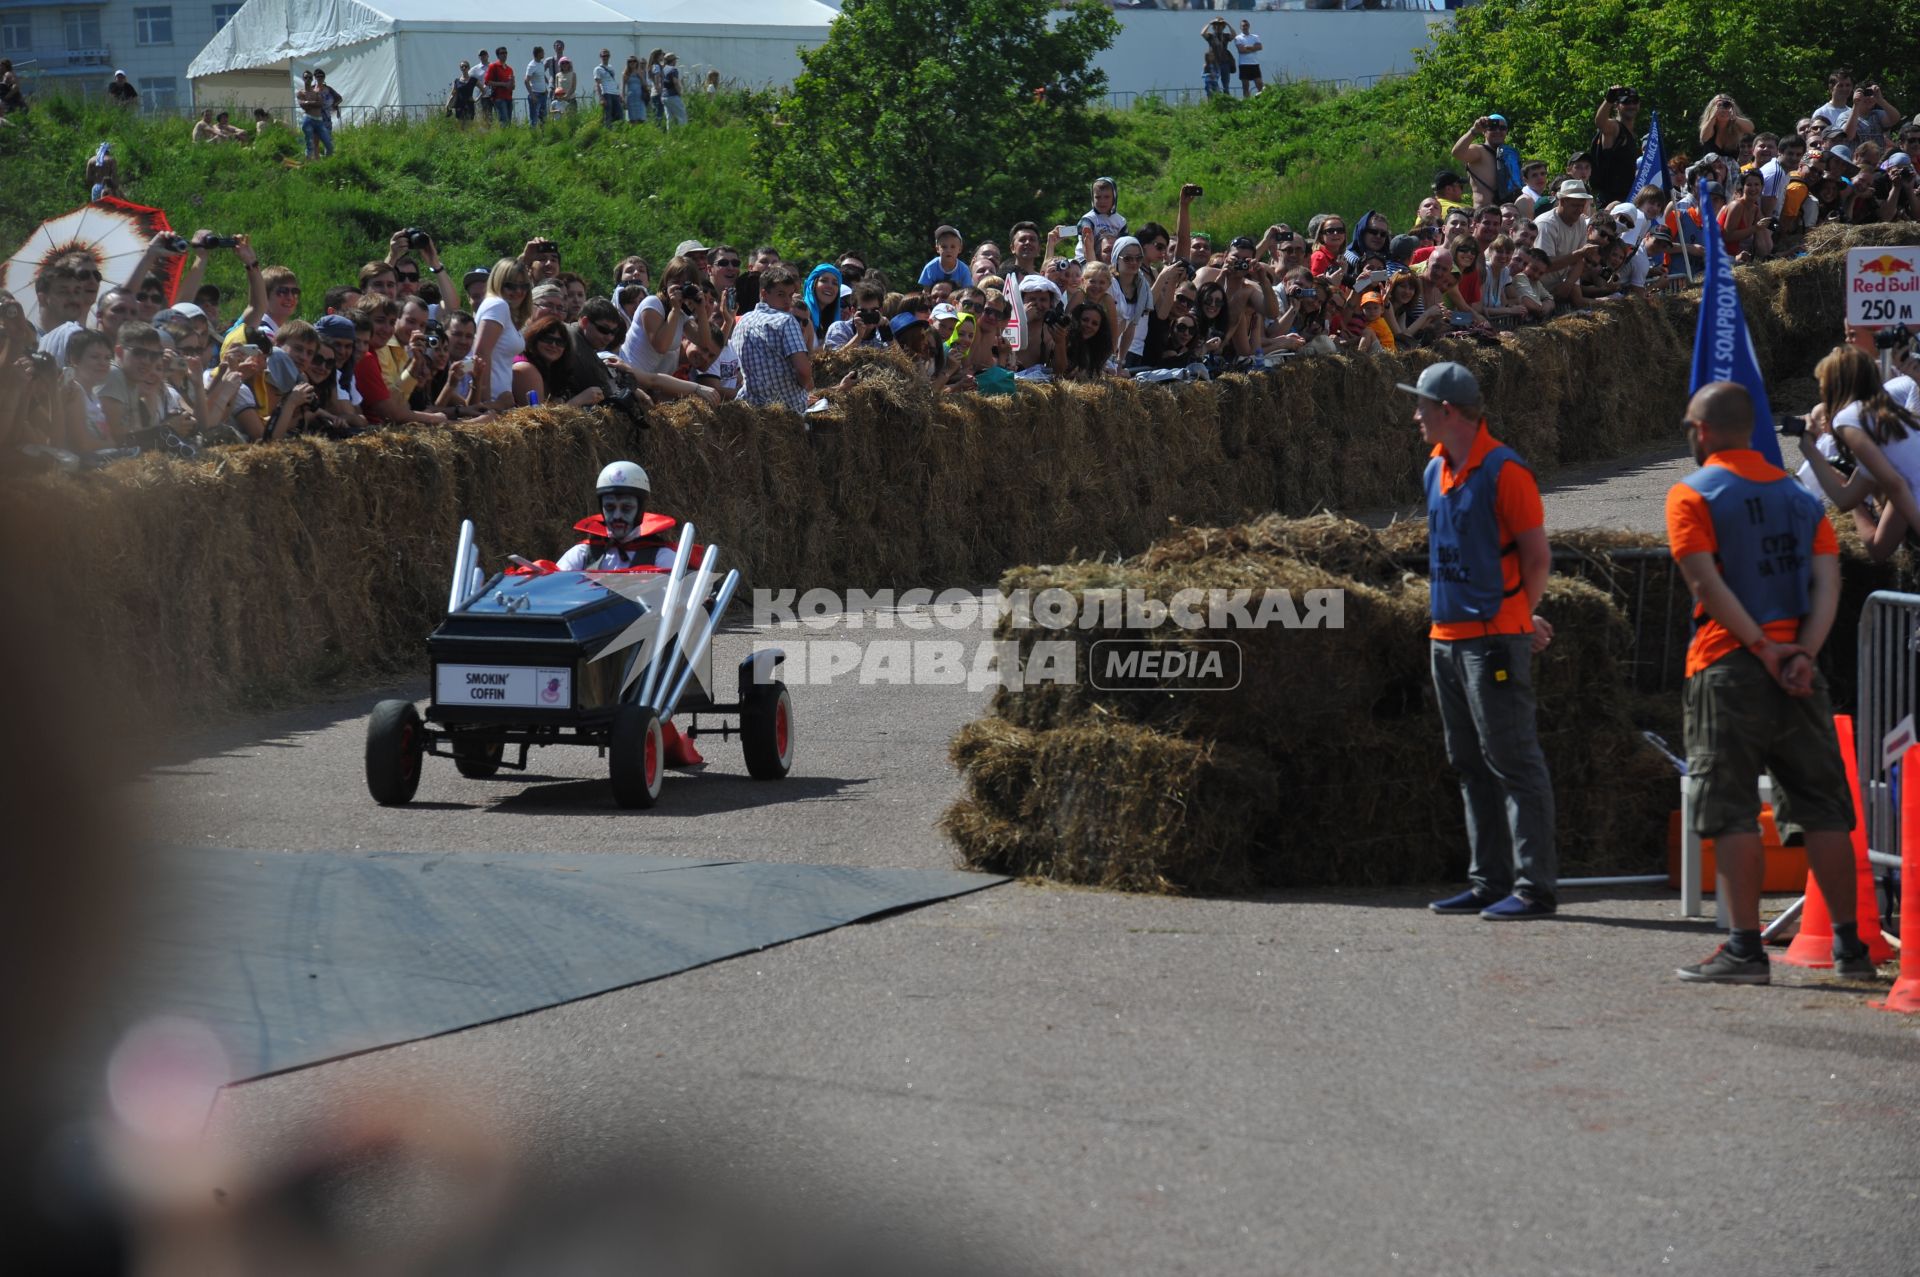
(184, 310)
(945, 311)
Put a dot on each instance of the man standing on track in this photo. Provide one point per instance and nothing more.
(1764, 568)
(1488, 563)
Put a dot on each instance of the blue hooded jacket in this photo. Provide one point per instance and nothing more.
(820, 320)
(1357, 250)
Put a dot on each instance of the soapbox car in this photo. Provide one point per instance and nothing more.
(534, 656)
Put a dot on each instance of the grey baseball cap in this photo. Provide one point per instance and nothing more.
(1448, 383)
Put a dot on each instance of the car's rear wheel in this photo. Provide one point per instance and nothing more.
(476, 759)
(766, 730)
(396, 741)
(636, 756)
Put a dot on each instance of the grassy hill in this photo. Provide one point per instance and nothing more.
(602, 193)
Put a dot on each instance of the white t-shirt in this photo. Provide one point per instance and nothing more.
(1774, 174)
(638, 352)
(1103, 224)
(1904, 391)
(536, 77)
(1835, 117)
(511, 343)
(725, 369)
(1903, 452)
(605, 80)
(1130, 311)
(1247, 45)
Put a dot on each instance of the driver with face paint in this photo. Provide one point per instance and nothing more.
(623, 534)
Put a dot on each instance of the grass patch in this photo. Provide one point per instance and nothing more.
(603, 192)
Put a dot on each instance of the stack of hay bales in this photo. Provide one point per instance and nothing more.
(1325, 766)
(261, 571)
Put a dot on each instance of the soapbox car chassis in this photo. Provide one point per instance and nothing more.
(630, 707)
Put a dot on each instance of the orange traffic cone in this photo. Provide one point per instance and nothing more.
(1905, 995)
(1813, 947)
(680, 750)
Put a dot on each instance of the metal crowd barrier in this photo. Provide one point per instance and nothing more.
(1889, 639)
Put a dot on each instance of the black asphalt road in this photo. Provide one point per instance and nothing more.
(1113, 1084)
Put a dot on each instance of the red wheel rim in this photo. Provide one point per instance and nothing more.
(650, 757)
(780, 727)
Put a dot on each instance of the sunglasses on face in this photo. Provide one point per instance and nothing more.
(551, 339)
(410, 277)
(604, 332)
(512, 286)
(1377, 231)
(152, 297)
(731, 263)
(1333, 230)
(286, 291)
(1185, 328)
(1002, 315)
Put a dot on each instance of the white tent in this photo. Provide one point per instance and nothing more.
(386, 54)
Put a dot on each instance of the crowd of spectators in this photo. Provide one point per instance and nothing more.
(1503, 241)
(635, 91)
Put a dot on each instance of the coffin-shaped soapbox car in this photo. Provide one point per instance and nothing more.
(534, 656)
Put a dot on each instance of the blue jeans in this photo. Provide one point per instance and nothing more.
(318, 133)
(610, 109)
(536, 108)
(502, 109)
(1494, 745)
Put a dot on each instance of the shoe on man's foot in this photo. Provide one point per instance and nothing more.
(1857, 966)
(1518, 907)
(1728, 967)
(1468, 901)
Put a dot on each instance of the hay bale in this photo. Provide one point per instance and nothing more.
(258, 572)
(1113, 806)
(1340, 722)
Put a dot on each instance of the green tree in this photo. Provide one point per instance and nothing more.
(974, 112)
(1545, 63)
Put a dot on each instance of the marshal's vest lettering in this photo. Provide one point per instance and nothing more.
(1764, 533)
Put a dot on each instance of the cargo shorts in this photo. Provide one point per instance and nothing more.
(1739, 721)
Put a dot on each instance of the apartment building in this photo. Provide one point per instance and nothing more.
(60, 47)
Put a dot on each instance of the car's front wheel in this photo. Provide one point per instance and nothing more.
(636, 756)
(396, 742)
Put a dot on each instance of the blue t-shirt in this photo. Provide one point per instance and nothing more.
(959, 276)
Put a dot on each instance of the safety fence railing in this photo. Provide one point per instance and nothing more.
(1186, 94)
(1888, 696)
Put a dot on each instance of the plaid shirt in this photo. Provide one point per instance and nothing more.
(765, 338)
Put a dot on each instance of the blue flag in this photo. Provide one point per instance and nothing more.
(1653, 161)
(1722, 348)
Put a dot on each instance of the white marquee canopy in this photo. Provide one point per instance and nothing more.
(398, 53)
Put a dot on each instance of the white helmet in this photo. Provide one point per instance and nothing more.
(623, 476)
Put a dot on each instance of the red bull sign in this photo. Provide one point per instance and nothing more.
(1883, 285)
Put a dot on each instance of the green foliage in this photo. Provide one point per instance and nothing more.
(1283, 156)
(600, 192)
(1545, 63)
(914, 114)
(909, 117)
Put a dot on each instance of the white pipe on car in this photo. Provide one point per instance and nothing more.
(461, 554)
(699, 649)
(669, 616)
